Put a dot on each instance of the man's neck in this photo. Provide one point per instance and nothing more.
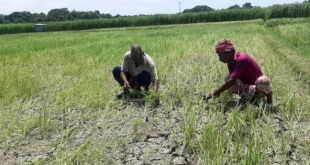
(232, 58)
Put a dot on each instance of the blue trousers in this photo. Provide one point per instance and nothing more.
(144, 78)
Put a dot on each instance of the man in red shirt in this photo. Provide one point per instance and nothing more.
(245, 76)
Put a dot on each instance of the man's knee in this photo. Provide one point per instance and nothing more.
(144, 78)
(117, 73)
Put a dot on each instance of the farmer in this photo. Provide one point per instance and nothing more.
(138, 69)
(245, 76)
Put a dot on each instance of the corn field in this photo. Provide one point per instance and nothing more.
(276, 11)
(16, 28)
(216, 16)
(288, 11)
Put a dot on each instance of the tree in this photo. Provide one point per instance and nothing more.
(62, 14)
(247, 6)
(38, 17)
(117, 16)
(89, 15)
(19, 17)
(234, 7)
(2, 19)
(75, 14)
(107, 15)
(26, 16)
(306, 1)
(13, 16)
(197, 9)
(94, 15)
(97, 11)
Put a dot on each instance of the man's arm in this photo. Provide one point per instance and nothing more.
(124, 68)
(124, 78)
(153, 73)
(155, 85)
(231, 81)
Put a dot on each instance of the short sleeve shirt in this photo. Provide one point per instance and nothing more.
(148, 65)
(245, 68)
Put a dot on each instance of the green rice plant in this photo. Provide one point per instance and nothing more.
(285, 21)
(283, 147)
(254, 151)
(74, 157)
(188, 126)
(136, 125)
(212, 142)
(43, 122)
(64, 122)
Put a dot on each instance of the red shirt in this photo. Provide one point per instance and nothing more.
(245, 68)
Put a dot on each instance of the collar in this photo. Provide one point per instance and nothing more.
(236, 55)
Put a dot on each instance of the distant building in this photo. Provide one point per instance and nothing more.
(39, 27)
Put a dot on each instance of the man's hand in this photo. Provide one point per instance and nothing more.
(126, 85)
(207, 96)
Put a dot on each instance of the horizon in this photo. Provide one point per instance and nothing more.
(124, 7)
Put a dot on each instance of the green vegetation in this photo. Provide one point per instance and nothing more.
(198, 9)
(295, 33)
(234, 7)
(215, 16)
(58, 105)
(286, 21)
(62, 14)
(248, 13)
(16, 28)
(289, 11)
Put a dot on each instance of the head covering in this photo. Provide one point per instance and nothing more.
(224, 45)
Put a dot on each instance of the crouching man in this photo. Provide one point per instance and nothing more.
(138, 70)
(245, 76)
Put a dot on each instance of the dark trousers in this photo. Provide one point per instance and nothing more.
(143, 79)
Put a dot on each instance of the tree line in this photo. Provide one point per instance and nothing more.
(63, 14)
(54, 15)
(205, 8)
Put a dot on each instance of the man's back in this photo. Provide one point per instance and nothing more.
(245, 68)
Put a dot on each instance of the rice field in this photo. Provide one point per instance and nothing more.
(58, 97)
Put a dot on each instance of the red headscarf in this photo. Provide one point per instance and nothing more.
(224, 45)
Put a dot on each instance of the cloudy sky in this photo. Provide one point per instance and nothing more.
(125, 7)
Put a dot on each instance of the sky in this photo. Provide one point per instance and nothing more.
(125, 7)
